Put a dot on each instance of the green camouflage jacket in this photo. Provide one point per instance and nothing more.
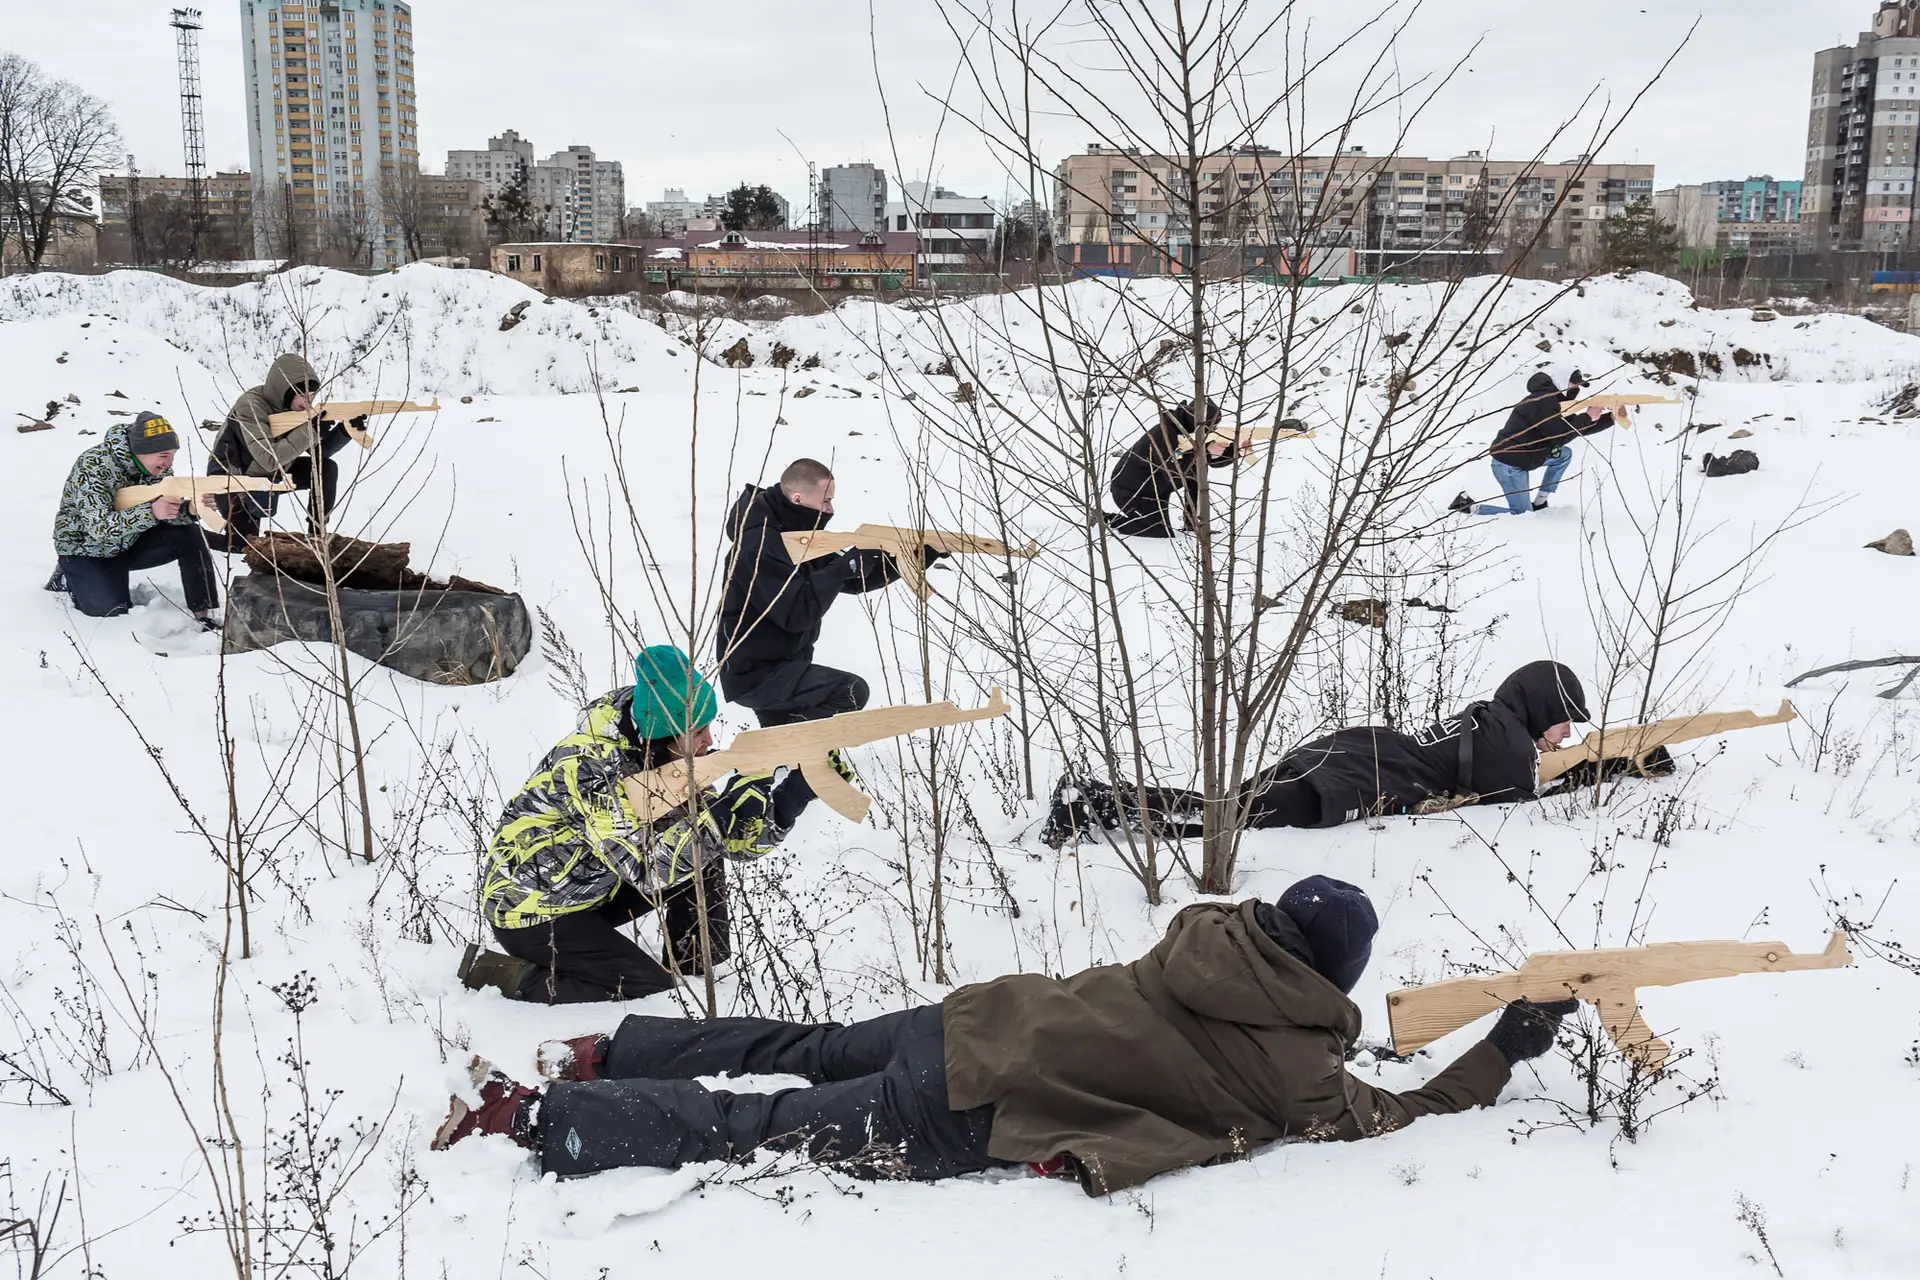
(87, 524)
(570, 838)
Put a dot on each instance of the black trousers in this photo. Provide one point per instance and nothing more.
(877, 1103)
(245, 511)
(1144, 513)
(99, 584)
(794, 693)
(1271, 800)
(583, 957)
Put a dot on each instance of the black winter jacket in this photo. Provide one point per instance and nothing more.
(1372, 770)
(770, 611)
(1147, 473)
(1535, 428)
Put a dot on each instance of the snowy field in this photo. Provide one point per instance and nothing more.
(111, 915)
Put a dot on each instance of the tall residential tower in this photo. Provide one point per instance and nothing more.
(1858, 192)
(332, 126)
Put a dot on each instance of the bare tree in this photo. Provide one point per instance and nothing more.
(1208, 664)
(54, 138)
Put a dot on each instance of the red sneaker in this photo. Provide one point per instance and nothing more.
(576, 1060)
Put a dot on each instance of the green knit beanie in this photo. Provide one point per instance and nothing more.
(670, 696)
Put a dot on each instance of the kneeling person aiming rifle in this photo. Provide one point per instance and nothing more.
(102, 540)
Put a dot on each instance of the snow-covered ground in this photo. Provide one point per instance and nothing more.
(112, 907)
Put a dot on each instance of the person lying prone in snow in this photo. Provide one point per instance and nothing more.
(1230, 1034)
(1487, 754)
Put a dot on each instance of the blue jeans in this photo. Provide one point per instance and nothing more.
(1516, 485)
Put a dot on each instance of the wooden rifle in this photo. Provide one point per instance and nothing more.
(903, 545)
(190, 489)
(804, 746)
(1620, 406)
(344, 412)
(1610, 977)
(1637, 741)
(1244, 438)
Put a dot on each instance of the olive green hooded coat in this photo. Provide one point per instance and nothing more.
(267, 454)
(1213, 1044)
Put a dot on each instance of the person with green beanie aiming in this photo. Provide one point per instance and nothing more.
(570, 861)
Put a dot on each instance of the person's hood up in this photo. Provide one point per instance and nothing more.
(1223, 965)
(767, 505)
(288, 374)
(1543, 383)
(1543, 694)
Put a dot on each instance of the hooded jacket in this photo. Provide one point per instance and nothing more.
(1535, 428)
(1147, 473)
(247, 445)
(1369, 770)
(86, 523)
(1215, 1043)
(771, 609)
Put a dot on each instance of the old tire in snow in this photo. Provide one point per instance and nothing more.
(440, 636)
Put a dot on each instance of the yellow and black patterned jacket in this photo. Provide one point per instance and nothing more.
(569, 839)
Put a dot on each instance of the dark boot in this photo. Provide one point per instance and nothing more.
(575, 1060)
(505, 1107)
(481, 969)
(1462, 504)
(58, 582)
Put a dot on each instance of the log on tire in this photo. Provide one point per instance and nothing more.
(440, 636)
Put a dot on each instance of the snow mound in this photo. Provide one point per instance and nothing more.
(419, 331)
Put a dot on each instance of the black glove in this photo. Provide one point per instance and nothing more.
(1576, 380)
(335, 437)
(1526, 1029)
(929, 557)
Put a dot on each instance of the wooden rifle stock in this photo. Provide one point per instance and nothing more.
(1610, 977)
(190, 489)
(1634, 742)
(804, 746)
(902, 544)
(344, 412)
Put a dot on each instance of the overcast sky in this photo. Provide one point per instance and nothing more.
(698, 95)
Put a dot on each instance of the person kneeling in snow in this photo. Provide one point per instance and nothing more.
(247, 446)
(1536, 435)
(1487, 754)
(99, 547)
(1230, 1034)
(1149, 473)
(571, 861)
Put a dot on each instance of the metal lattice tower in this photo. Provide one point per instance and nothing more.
(186, 27)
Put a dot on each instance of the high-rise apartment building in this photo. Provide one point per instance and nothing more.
(332, 125)
(851, 197)
(598, 198)
(1382, 204)
(506, 158)
(1739, 215)
(1760, 199)
(1861, 162)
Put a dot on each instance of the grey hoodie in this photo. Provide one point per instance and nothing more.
(267, 454)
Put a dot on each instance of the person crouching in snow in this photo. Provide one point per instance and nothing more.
(1230, 1034)
(99, 546)
(1537, 435)
(1486, 754)
(1156, 467)
(571, 861)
